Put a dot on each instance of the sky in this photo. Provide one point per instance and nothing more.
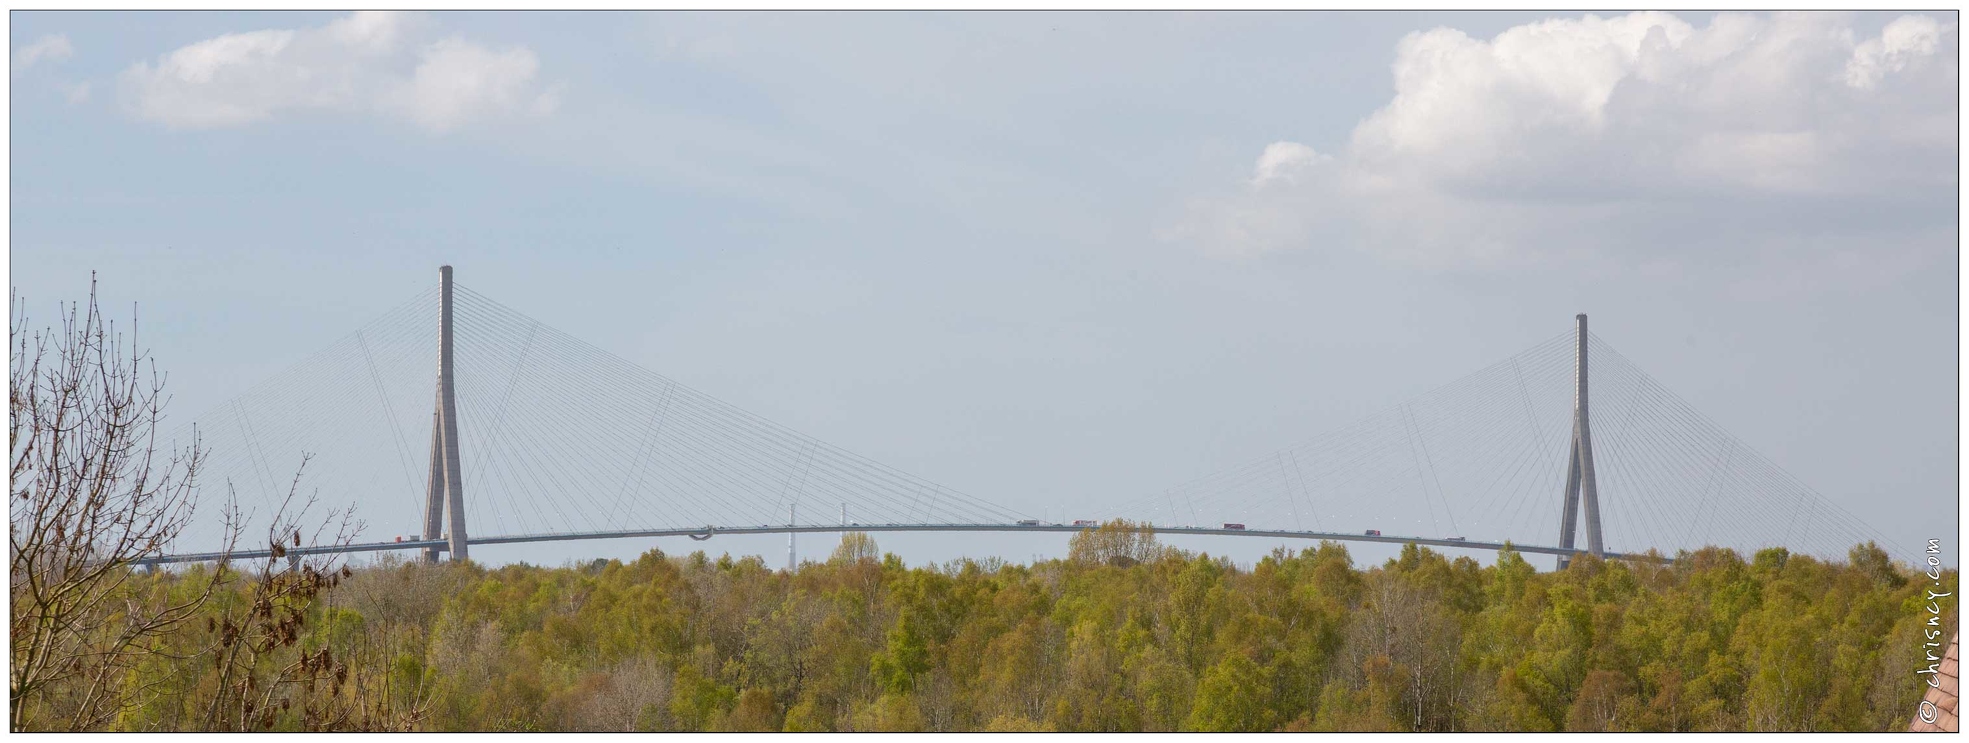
(1051, 260)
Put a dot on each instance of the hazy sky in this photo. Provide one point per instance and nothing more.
(1046, 259)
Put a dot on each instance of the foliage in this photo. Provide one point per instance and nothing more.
(96, 642)
(91, 491)
(1120, 543)
(1301, 640)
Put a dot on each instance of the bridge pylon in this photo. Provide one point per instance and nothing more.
(446, 492)
(1580, 483)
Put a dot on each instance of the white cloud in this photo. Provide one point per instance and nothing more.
(456, 80)
(372, 32)
(53, 48)
(366, 62)
(1284, 161)
(1610, 136)
(1907, 39)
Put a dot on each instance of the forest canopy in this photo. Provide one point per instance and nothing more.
(1124, 634)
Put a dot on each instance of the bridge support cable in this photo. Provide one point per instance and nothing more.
(499, 416)
(255, 458)
(1374, 462)
(325, 406)
(577, 401)
(1289, 499)
(550, 431)
(1745, 490)
(1312, 506)
(1422, 477)
(567, 416)
(1662, 476)
(565, 440)
(711, 464)
(1644, 455)
(639, 467)
(564, 463)
(573, 412)
(549, 491)
(389, 416)
(1650, 458)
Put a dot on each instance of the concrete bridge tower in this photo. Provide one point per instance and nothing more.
(1579, 468)
(446, 492)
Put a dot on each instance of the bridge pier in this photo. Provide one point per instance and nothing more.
(446, 491)
(1581, 486)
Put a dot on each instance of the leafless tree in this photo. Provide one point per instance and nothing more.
(267, 675)
(93, 492)
(397, 592)
(94, 495)
(631, 696)
(1411, 628)
(1120, 543)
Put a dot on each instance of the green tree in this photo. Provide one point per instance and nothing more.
(905, 656)
(1232, 697)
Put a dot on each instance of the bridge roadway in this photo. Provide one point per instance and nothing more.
(704, 533)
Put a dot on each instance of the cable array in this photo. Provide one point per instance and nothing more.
(1672, 478)
(557, 436)
(352, 407)
(569, 438)
(1484, 457)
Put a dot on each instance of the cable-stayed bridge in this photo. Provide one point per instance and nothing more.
(529, 434)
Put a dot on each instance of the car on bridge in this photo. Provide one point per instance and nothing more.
(1456, 539)
(1234, 527)
(1374, 532)
(1028, 522)
(1086, 522)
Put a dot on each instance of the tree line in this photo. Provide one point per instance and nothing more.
(1137, 638)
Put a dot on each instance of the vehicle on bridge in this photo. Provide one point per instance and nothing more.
(1374, 532)
(1028, 522)
(1234, 527)
(1086, 522)
(1456, 539)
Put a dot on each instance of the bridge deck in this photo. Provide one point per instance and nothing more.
(707, 532)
